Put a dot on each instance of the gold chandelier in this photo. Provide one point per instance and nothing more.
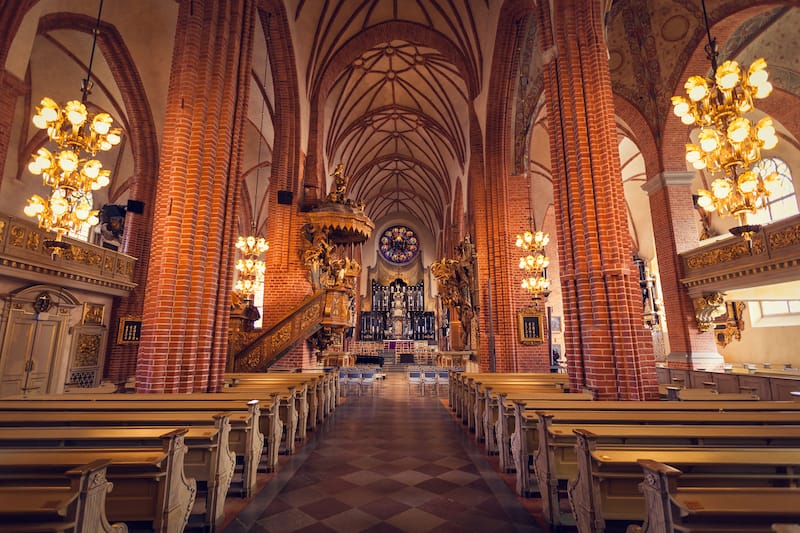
(250, 266)
(534, 263)
(72, 172)
(728, 142)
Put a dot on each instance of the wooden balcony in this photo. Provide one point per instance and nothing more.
(730, 263)
(83, 265)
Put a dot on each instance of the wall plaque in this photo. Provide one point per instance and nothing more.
(130, 330)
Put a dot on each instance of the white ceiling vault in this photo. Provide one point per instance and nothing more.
(403, 75)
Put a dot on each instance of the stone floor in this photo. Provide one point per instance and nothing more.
(392, 458)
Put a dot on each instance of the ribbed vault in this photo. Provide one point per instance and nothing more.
(396, 107)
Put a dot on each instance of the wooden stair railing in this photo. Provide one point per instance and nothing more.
(272, 343)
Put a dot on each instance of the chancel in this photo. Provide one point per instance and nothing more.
(417, 266)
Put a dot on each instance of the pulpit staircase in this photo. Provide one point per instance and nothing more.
(325, 310)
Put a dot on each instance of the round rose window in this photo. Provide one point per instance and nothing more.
(399, 244)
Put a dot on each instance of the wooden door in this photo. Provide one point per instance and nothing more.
(27, 363)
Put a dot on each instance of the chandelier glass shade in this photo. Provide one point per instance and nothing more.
(729, 143)
(250, 266)
(534, 263)
(71, 172)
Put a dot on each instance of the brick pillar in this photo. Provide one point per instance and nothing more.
(675, 225)
(607, 346)
(187, 298)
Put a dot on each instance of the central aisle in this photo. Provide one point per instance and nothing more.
(392, 458)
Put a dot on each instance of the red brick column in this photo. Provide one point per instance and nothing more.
(676, 229)
(187, 298)
(607, 347)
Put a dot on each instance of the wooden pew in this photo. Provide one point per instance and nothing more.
(293, 410)
(525, 440)
(245, 439)
(78, 506)
(466, 383)
(460, 383)
(323, 389)
(316, 399)
(481, 393)
(305, 395)
(607, 485)
(673, 508)
(500, 418)
(556, 461)
(149, 483)
(208, 457)
(479, 389)
(270, 423)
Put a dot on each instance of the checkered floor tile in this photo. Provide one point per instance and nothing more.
(390, 459)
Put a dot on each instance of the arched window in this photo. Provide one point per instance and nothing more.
(782, 199)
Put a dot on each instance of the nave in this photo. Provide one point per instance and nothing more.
(392, 458)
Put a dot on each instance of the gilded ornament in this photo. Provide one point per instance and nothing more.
(707, 309)
(282, 336)
(785, 237)
(17, 236)
(33, 240)
(310, 315)
(88, 352)
(723, 255)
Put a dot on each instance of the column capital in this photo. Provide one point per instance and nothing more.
(668, 179)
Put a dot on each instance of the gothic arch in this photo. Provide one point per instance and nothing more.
(321, 83)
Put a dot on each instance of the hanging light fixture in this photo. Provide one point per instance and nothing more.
(250, 266)
(729, 144)
(534, 262)
(71, 172)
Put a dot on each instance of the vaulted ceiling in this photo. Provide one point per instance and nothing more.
(397, 78)
(395, 83)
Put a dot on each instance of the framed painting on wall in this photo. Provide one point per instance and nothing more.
(93, 314)
(130, 330)
(530, 327)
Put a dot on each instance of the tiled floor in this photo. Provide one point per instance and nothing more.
(392, 458)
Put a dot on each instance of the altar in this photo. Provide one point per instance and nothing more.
(398, 313)
(398, 304)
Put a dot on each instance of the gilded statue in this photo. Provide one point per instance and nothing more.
(339, 193)
(327, 269)
(458, 285)
(339, 185)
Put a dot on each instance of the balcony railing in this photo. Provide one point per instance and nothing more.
(23, 255)
(733, 264)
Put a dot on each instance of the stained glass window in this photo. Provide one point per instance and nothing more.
(399, 244)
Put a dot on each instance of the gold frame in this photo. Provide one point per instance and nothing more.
(93, 314)
(530, 325)
(130, 329)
